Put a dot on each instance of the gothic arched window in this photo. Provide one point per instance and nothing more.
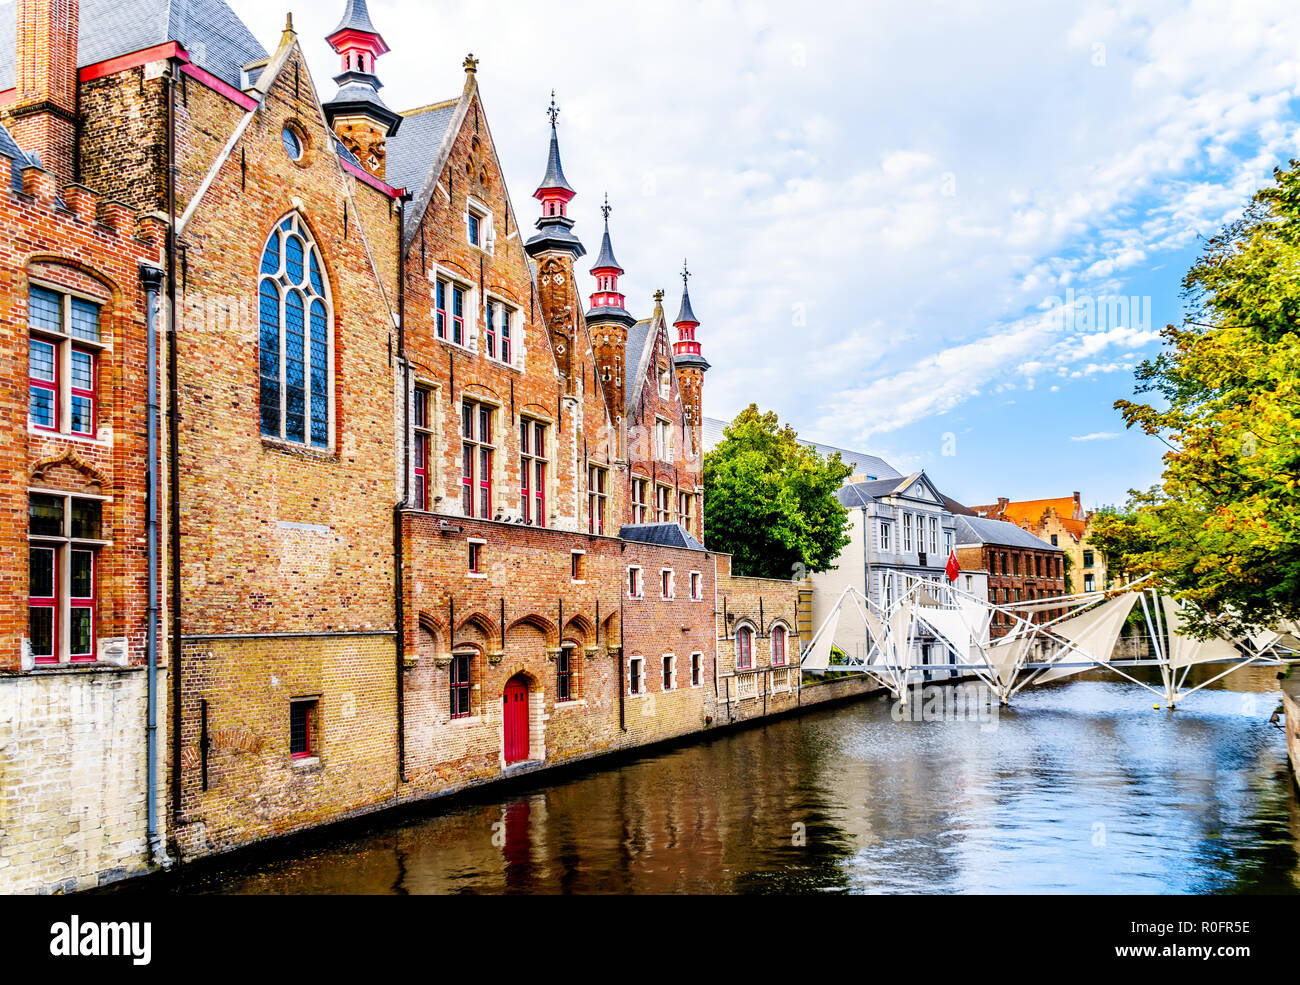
(294, 339)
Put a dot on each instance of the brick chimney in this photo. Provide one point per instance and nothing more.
(44, 110)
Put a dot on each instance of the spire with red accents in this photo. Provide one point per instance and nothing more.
(686, 350)
(607, 302)
(554, 228)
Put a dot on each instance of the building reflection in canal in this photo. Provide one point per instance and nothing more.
(1080, 788)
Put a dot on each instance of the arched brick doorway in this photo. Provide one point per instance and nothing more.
(515, 707)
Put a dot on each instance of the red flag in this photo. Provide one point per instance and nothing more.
(953, 569)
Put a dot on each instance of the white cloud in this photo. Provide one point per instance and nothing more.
(1096, 436)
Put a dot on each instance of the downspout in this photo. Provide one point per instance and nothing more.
(398, 550)
(622, 672)
(173, 453)
(152, 279)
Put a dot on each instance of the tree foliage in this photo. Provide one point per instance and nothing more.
(1223, 527)
(770, 501)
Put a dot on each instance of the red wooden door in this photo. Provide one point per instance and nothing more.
(515, 701)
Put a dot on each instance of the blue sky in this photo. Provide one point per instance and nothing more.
(880, 201)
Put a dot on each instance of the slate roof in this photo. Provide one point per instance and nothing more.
(554, 177)
(356, 18)
(411, 151)
(637, 338)
(606, 258)
(860, 462)
(663, 534)
(20, 160)
(685, 314)
(981, 530)
(209, 30)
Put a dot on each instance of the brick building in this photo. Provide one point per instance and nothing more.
(424, 518)
(1063, 523)
(1021, 568)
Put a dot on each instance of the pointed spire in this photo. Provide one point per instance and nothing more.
(554, 177)
(606, 261)
(355, 18)
(289, 36)
(686, 316)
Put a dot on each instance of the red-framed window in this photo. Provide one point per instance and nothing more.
(440, 308)
(64, 540)
(505, 334)
(564, 674)
(476, 459)
(491, 334)
(63, 363)
(302, 723)
(639, 489)
(457, 314)
(475, 557)
(744, 648)
(460, 685)
(663, 504)
(532, 471)
(697, 586)
(597, 498)
(43, 604)
(778, 646)
(666, 583)
(423, 441)
(697, 660)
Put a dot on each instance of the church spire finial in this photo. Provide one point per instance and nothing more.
(686, 274)
(470, 64)
(554, 111)
(605, 210)
(289, 35)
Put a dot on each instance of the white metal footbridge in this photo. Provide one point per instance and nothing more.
(936, 629)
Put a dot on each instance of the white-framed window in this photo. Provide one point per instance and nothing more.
(533, 470)
(453, 301)
(635, 675)
(665, 384)
(475, 547)
(697, 586)
(65, 537)
(597, 498)
(684, 502)
(744, 647)
(907, 532)
(477, 451)
(884, 535)
(970, 583)
(667, 583)
(663, 440)
(578, 567)
(669, 668)
(501, 331)
(780, 642)
(640, 503)
(479, 229)
(663, 504)
(934, 535)
(697, 669)
(947, 543)
(295, 329)
(634, 585)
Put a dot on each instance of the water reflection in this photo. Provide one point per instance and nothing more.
(1081, 787)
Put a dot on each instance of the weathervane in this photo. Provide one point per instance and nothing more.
(605, 210)
(554, 111)
(685, 274)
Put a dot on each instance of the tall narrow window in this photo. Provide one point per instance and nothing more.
(934, 535)
(505, 334)
(532, 471)
(778, 646)
(423, 442)
(476, 459)
(744, 648)
(302, 723)
(564, 674)
(907, 532)
(440, 308)
(460, 685)
(294, 350)
(639, 505)
(63, 362)
(490, 336)
(458, 314)
(634, 682)
(696, 660)
(596, 498)
(684, 510)
(663, 504)
(884, 536)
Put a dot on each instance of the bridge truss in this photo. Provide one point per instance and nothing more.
(936, 631)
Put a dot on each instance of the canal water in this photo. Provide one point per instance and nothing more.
(1081, 787)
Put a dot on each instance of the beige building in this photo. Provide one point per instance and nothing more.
(1062, 523)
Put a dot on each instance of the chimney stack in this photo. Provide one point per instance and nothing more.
(44, 110)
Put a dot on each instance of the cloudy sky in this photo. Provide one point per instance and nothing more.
(886, 205)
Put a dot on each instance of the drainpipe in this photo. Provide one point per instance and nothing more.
(173, 449)
(398, 549)
(152, 279)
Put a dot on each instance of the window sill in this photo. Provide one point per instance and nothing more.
(293, 448)
(475, 574)
(306, 764)
(571, 703)
(94, 440)
(80, 667)
(466, 720)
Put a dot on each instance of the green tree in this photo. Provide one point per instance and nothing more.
(1222, 529)
(770, 501)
